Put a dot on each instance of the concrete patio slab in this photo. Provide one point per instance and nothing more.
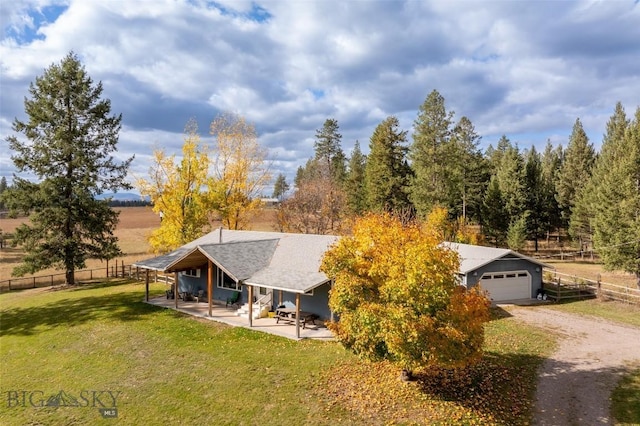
(227, 315)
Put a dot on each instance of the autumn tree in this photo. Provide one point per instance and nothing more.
(180, 193)
(387, 173)
(240, 170)
(318, 203)
(70, 140)
(397, 295)
(616, 195)
(314, 207)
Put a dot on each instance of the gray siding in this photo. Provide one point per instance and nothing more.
(508, 264)
(318, 303)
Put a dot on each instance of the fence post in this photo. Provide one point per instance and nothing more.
(598, 280)
(122, 263)
(34, 282)
(558, 289)
(9, 285)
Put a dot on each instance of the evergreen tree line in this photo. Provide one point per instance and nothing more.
(512, 194)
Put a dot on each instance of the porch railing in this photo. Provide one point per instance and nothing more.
(262, 302)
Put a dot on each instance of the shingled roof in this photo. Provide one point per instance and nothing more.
(281, 261)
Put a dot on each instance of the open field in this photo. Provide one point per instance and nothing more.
(166, 368)
(136, 223)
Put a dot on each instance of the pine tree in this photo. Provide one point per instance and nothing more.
(551, 165)
(70, 140)
(536, 216)
(354, 185)
(328, 150)
(511, 180)
(468, 171)
(280, 187)
(3, 188)
(387, 173)
(616, 195)
(576, 170)
(494, 155)
(495, 220)
(428, 154)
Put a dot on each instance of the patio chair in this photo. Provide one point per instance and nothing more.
(199, 296)
(234, 300)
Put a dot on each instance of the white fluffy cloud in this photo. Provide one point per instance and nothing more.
(525, 69)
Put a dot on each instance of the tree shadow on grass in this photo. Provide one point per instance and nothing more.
(74, 311)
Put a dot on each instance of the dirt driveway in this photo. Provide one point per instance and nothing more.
(575, 383)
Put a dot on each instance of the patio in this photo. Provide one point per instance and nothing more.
(227, 315)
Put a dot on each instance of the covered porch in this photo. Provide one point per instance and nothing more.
(227, 315)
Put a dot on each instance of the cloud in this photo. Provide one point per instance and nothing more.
(524, 69)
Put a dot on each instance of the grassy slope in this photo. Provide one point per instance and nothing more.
(172, 369)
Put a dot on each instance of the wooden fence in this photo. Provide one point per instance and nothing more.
(559, 286)
(84, 275)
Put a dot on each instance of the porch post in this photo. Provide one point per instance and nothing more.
(210, 287)
(330, 310)
(297, 315)
(175, 285)
(250, 306)
(146, 285)
(279, 297)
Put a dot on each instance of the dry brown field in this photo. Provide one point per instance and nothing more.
(136, 223)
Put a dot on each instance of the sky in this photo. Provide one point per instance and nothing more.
(523, 69)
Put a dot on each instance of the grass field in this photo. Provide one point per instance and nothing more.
(170, 369)
(173, 369)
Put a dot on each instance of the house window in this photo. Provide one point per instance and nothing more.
(191, 273)
(225, 281)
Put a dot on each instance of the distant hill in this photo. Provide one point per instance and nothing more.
(122, 196)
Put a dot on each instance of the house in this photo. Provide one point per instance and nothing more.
(268, 268)
(505, 274)
(273, 269)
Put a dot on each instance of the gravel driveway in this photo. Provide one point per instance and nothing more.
(575, 383)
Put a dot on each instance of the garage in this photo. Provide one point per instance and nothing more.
(504, 273)
(510, 285)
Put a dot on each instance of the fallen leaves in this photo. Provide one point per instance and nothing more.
(491, 392)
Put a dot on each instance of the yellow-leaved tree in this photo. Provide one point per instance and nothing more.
(240, 169)
(180, 193)
(397, 296)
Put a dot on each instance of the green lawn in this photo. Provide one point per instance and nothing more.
(613, 311)
(99, 342)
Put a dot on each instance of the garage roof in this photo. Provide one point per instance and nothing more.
(473, 257)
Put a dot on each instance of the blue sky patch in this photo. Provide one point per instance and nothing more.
(27, 33)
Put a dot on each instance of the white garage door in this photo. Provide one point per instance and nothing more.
(507, 285)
